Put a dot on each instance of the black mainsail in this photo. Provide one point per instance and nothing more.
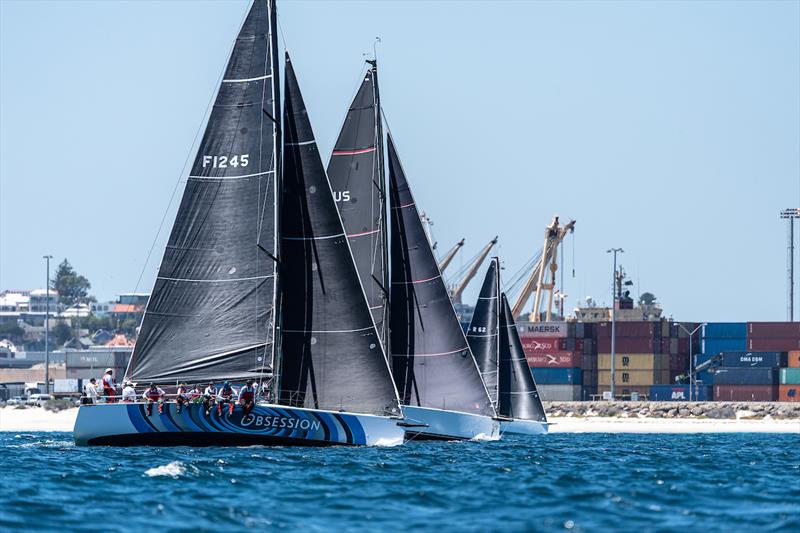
(482, 334)
(518, 397)
(355, 171)
(210, 314)
(431, 361)
(331, 354)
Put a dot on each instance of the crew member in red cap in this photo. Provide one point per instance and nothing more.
(109, 386)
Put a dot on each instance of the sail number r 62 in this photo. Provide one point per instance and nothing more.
(223, 161)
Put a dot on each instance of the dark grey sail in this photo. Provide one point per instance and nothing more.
(518, 396)
(210, 315)
(331, 355)
(431, 361)
(482, 334)
(355, 171)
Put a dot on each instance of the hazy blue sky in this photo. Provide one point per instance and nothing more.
(669, 129)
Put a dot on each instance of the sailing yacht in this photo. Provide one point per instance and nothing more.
(258, 281)
(441, 391)
(495, 342)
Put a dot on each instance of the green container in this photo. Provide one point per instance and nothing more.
(790, 376)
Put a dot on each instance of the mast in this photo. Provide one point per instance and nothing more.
(275, 118)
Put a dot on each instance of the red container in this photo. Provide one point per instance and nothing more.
(553, 359)
(788, 393)
(745, 393)
(683, 346)
(627, 329)
(679, 362)
(794, 359)
(542, 344)
(777, 344)
(627, 345)
(766, 330)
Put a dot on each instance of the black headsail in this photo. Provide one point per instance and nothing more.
(518, 396)
(355, 171)
(431, 361)
(210, 315)
(331, 355)
(482, 334)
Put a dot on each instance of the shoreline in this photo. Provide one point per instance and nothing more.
(37, 419)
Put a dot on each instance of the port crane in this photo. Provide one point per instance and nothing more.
(450, 255)
(472, 269)
(538, 282)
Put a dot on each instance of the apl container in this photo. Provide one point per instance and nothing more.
(553, 359)
(754, 359)
(789, 393)
(790, 376)
(557, 376)
(667, 393)
(745, 393)
(725, 330)
(746, 376)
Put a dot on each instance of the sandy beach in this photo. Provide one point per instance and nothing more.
(36, 419)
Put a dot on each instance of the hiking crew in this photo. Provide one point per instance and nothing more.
(154, 394)
(209, 397)
(182, 396)
(225, 396)
(247, 397)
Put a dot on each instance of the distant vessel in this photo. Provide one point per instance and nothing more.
(494, 340)
(258, 276)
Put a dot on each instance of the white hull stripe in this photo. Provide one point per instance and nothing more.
(243, 80)
(313, 238)
(215, 280)
(430, 354)
(232, 177)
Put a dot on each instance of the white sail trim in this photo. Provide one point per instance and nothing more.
(304, 143)
(313, 238)
(327, 330)
(216, 280)
(232, 177)
(244, 80)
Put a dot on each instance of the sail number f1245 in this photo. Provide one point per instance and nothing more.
(223, 161)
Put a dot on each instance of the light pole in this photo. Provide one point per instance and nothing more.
(614, 320)
(692, 378)
(790, 215)
(47, 259)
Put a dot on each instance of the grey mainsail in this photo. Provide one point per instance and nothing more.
(431, 361)
(331, 354)
(210, 315)
(482, 334)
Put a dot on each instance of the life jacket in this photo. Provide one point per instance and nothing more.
(247, 394)
(226, 392)
(152, 394)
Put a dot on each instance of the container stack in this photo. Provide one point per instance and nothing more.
(555, 352)
(789, 378)
(718, 337)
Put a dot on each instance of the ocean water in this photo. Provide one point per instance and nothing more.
(588, 482)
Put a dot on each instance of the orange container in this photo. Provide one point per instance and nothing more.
(794, 359)
(789, 393)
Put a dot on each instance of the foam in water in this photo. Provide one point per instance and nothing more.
(174, 469)
(483, 437)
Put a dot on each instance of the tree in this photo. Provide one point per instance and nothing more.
(647, 298)
(61, 332)
(11, 331)
(72, 287)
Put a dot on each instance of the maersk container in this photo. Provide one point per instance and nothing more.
(680, 393)
(746, 376)
(754, 359)
(717, 346)
(725, 330)
(557, 376)
(790, 376)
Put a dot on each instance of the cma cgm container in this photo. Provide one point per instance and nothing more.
(790, 376)
(725, 330)
(746, 376)
(745, 393)
(675, 393)
(789, 393)
(559, 393)
(754, 359)
(553, 359)
(716, 346)
(557, 376)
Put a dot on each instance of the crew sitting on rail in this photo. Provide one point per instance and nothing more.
(225, 396)
(247, 397)
(152, 395)
(196, 395)
(109, 386)
(128, 393)
(209, 396)
(182, 396)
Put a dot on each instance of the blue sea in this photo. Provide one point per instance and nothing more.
(577, 482)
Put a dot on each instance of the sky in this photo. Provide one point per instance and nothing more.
(668, 129)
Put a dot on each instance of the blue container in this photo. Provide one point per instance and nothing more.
(557, 376)
(754, 359)
(716, 346)
(725, 330)
(680, 393)
(746, 376)
(705, 376)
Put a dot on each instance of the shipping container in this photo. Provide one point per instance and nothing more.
(777, 344)
(666, 393)
(589, 347)
(560, 393)
(754, 359)
(789, 376)
(533, 345)
(725, 330)
(542, 329)
(715, 346)
(589, 362)
(679, 362)
(666, 327)
(557, 376)
(625, 391)
(90, 359)
(629, 345)
(746, 376)
(789, 393)
(793, 359)
(770, 330)
(637, 361)
(628, 329)
(589, 378)
(589, 392)
(745, 393)
(63, 386)
(553, 359)
(629, 377)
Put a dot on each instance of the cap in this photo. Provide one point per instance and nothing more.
(109, 370)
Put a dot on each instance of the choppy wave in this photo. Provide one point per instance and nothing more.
(578, 482)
